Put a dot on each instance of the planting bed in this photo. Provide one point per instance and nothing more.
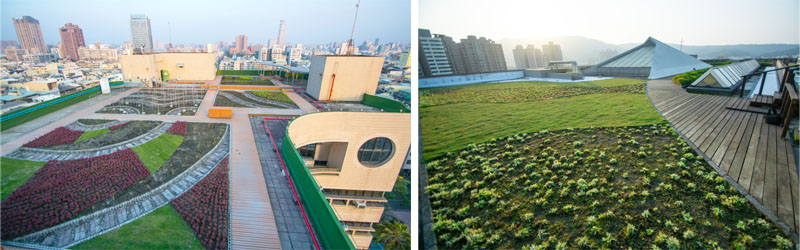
(61, 189)
(205, 208)
(199, 140)
(618, 187)
(56, 137)
(245, 80)
(117, 134)
(264, 99)
(161, 101)
(94, 121)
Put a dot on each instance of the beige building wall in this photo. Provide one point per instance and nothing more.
(195, 66)
(41, 85)
(355, 76)
(356, 128)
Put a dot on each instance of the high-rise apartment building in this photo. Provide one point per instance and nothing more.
(457, 63)
(141, 36)
(551, 52)
(295, 55)
(529, 57)
(281, 31)
(432, 58)
(482, 55)
(241, 44)
(71, 40)
(29, 34)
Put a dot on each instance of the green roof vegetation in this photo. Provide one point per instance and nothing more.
(15, 172)
(161, 229)
(157, 151)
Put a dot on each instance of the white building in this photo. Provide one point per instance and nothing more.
(433, 60)
(94, 53)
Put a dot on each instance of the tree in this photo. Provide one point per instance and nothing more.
(394, 235)
(400, 191)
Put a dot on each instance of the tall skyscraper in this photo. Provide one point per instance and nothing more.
(29, 34)
(141, 37)
(551, 52)
(71, 40)
(526, 58)
(453, 55)
(482, 55)
(432, 58)
(281, 31)
(241, 44)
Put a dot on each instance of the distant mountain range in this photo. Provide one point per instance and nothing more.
(588, 51)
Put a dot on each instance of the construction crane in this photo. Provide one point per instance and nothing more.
(352, 31)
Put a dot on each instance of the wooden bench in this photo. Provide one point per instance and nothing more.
(220, 113)
(788, 107)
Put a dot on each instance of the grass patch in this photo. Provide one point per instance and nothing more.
(44, 111)
(155, 152)
(161, 229)
(90, 134)
(15, 173)
(512, 92)
(94, 121)
(277, 96)
(451, 127)
(610, 188)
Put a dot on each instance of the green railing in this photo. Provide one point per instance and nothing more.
(384, 103)
(327, 228)
(20, 116)
(238, 72)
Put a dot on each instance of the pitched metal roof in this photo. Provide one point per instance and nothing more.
(726, 76)
(662, 59)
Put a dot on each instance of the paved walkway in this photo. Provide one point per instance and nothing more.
(740, 145)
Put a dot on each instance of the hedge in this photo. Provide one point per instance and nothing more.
(386, 104)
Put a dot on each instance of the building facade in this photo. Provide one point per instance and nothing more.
(71, 41)
(241, 44)
(182, 66)
(433, 60)
(528, 58)
(141, 36)
(29, 34)
(343, 78)
(454, 56)
(95, 53)
(482, 55)
(551, 52)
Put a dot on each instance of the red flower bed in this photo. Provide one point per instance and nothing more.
(179, 128)
(115, 127)
(61, 189)
(58, 136)
(204, 208)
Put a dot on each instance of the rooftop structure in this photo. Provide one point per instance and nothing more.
(180, 66)
(343, 78)
(726, 76)
(652, 59)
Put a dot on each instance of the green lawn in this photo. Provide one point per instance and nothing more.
(277, 96)
(155, 152)
(15, 173)
(451, 127)
(160, 229)
(90, 134)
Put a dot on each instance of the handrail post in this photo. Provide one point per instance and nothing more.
(763, 78)
(744, 81)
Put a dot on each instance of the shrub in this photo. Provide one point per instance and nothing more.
(179, 128)
(58, 136)
(204, 207)
(62, 189)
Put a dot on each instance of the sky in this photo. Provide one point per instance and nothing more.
(203, 21)
(696, 22)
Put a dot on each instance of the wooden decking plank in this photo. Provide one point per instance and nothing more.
(691, 109)
(759, 168)
(784, 186)
(677, 106)
(731, 147)
(670, 100)
(696, 114)
(705, 142)
(795, 189)
(735, 130)
(702, 130)
(735, 165)
(770, 198)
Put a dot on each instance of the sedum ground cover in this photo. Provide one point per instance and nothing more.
(616, 187)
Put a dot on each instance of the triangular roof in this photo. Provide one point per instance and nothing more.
(726, 76)
(662, 59)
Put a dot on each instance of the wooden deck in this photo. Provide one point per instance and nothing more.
(739, 144)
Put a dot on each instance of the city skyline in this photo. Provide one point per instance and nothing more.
(222, 22)
(620, 22)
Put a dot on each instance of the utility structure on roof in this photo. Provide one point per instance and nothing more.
(652, 59)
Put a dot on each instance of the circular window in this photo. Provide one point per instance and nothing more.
(376, 151)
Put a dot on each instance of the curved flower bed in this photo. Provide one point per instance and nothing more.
(118, 126)
(58, 136)
(61, 189)
(204, 207)
(179, 128)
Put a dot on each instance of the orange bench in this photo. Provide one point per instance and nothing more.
(220, 113)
